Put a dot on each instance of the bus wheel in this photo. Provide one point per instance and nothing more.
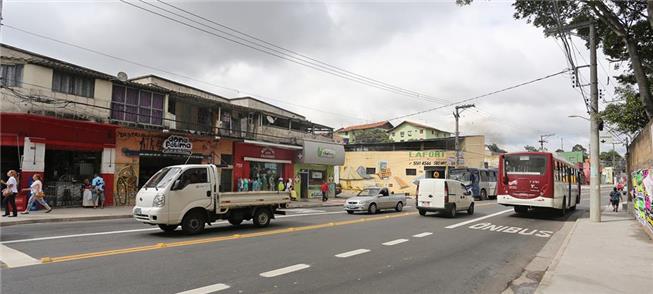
(563, 210)
(483, 194)
(521, 209)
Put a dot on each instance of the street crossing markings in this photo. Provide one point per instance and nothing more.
(14, 258)
(208, 289)
(352, 253)
(420, 235)
(477, 219)
(285, 270)
(394, 242)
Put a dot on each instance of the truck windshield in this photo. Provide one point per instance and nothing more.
(462, 175)
(162, 177)
(370, 192)
(525, 164)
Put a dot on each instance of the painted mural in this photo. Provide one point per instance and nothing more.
(643, 196)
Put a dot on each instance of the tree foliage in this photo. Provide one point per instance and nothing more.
(559, 150)
(606, 157)
(372, 136)
(628, 117)
(496, 149)
(579, 147)
(531, 148)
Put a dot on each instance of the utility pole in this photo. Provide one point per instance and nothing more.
(456, 114)
(542, 141)
(595, 182)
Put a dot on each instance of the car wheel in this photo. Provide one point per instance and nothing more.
(350, 211)
(483, 194)
(372, 209)
(262, 218)
(470, 209)
(168, 228)
(422, 212)
(399, 206)
(193, 223)
(452, 211)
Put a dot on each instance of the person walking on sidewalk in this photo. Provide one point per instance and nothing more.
(324, 188)
(37, 195)
(10, 194)
(98, 189)
(615, 198)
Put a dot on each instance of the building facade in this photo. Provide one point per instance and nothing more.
(348, 134)
(412, 131)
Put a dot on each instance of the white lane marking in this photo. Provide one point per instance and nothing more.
(420, 235)
(14, 258)
(394, 242)
(352, 253)
(136, 230)
(302, 210)
(477, 219)
(285, 270)
(208, 289)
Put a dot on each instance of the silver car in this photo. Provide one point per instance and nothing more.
(374, 199)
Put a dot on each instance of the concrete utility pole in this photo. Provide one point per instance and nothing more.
(542, 141)
(595, 181)
(456, 114)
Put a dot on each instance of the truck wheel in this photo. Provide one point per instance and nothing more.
(168, 228)
(422, 212)
(350, 211)
(470, 209)
(193, 223)
(452, 211)
(262, 218)
(372, 209)
(483, 195)
(399, 206)
(235, 220)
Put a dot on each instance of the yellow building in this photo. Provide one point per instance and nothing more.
(398, 165)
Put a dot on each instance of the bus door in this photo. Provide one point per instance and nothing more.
(568, 171)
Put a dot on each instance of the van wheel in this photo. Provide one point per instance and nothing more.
(452, 211)
(372, 209)
(483, 195)
(350, 211)
(168, 228)
(262, 218)
(470, 209)
(399, 206)
(193, 223)
(422, 212)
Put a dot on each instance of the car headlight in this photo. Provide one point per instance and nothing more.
(159, 200)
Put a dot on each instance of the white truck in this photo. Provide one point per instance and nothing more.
(187, 195)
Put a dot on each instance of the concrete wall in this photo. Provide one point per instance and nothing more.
(285, 135)
(640, 161)
(251, 103)
(641, 149)
(412, 133)
(152, 80)
(473, 148)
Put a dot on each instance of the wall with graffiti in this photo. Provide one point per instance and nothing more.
(643, 196)
(133, 145)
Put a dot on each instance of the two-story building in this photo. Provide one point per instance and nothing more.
(412, 131)
(348, 134)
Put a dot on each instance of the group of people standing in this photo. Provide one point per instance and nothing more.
(95, 189)
(264, 184)
(36, 193)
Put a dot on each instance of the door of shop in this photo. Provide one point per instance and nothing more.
(304, 184)
(65, 172)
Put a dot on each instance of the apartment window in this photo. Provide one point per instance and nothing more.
(11, 75)
(370, 170)
(410, 133)
(73, 84)
(134, 105)
(401, 134)
(411, 172)
(432, 132)
(421, 131)
(203, 119)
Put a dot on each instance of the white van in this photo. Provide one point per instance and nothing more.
(443, 195)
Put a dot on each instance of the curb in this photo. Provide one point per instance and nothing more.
(67, 219)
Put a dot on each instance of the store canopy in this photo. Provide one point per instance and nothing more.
(268, 144)
(316, 152)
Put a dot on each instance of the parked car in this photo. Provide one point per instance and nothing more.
(443, 195)
(373, 200)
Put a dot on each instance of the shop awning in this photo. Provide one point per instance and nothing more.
(282, 146)
(267, 160)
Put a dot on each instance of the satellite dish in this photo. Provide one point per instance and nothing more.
(122, 76)
(270, 119)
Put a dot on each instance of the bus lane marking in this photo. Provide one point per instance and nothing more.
(511, 230)
(476, 219)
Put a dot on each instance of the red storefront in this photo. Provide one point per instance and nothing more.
(262, 160)
(63, 151)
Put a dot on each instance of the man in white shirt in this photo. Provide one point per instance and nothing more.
(10, 196)
(98, 187)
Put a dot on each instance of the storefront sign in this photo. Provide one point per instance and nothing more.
(267, 153)
(427, 158)
(177, 145)
(322, 153)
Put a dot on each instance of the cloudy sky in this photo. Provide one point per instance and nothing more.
(435, 48)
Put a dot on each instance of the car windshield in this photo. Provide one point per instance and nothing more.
(462, 175)
(162, 177)
(370, 192)
(525, 164)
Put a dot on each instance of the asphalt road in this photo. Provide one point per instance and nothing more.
(314, 250)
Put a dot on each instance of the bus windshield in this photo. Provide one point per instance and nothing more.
(525, 164)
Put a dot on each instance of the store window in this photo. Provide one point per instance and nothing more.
(317, 177)
(11, 75)
(370, 170)
(266, 174)
(68, 83)
(411, 172)
(134, 105)
(64, 173)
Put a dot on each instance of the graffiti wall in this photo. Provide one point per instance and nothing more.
(137, 150)
(643, 196)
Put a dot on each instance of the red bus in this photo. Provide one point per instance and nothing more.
(529, 180)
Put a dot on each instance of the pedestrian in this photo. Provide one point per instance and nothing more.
(324, 188)
(10, 193)
(280, 186)
(615, 197)
(36, 194)
(98, 189)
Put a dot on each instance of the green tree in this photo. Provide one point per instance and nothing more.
(580, 148)
(559, 150)
(606, 157)
(496, 149)
(530, 148)
(628, 117)
(372, 136)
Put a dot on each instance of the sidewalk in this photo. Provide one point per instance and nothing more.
(81, 214)
(614, 256)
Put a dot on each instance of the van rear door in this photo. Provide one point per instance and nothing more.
(431, 193)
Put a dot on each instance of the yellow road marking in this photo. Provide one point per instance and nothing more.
(158, 246)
